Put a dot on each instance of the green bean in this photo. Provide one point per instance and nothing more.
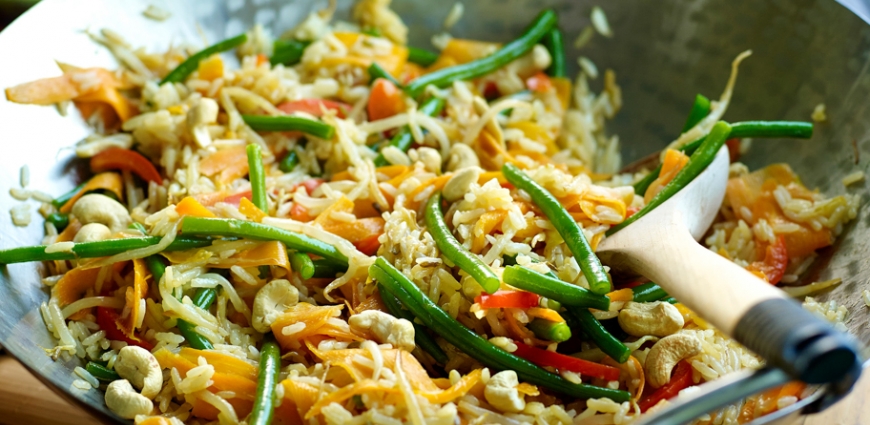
(328, 268)
(105, 248)
(553, 42)
(403, 139)
(287, 52)
(421, 337)
(63, 199)
(599, 335)
(371, 31)
(375, 72)
(550, 331)
(511, 260)
(697, 163)
(772, 129)
(669, 300)
(472, 344)
(270, 367)
(290, 123)
(541, 284)
(300, 262)
(58, 220)
(740, 130)
(454, 251)
(544, 22)
(289, 162)
(203, 298)
(180, 73)
(648, 292)
(590, 265)
(421, 57)
(156, 266)
(251, 230)
(700, 109)
(257, 176)
(101, 372)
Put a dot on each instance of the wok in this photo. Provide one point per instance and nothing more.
(806, 52)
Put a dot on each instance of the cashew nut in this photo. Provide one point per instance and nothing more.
(460, 183)
(461, 156)
(96, 208)
(203, 113)
(430, 158)
(271, 301)
(501, 392)
(656, 318)
(666, 353)
(386, 328)
(92, 232)
(122, 399)
(141, 368)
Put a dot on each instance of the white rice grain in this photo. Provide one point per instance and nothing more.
(24, 176)
(599, 21)
(454, 16)
(853, 178)
(156, 13)
(87, 377)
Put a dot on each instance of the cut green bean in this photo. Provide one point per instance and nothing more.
(105, 248)
(554, 44)
(375, 72)
(257, 176)
(290, 123)
(63, 199)
(472, 344)
(570, 231)
(404, 139)
(648, 292)
(58, 220)
(544, 22)
(202, 298)
(550, 331)
(421, 337)
(700, 109)
(669, 300)
(546, 286)
(599, 335)
(740, 130)
(289, 162)
(772, 129)
(327, 268)
(182, 71)
(454, 251)
(270, 368)
(301, 263)
(287, 52)
(101, 372)
(156, 266)
(697, 163)
(251, 230)
(421, 57)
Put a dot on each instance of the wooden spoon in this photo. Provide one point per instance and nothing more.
(662, 247)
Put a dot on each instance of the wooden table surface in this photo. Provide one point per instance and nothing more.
(25, 400)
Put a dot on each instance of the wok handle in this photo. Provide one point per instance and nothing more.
(753, 312)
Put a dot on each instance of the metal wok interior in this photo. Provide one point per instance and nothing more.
(806, 52)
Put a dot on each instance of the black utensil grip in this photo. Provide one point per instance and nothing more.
(801, 344)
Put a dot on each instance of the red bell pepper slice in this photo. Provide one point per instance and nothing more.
(680, 380)
(369, 246)
(385, 100)
(562, 362)
(125, 159)
(775, 261)
(315, 107)
(107, 320)
(539, 82)
(508, 299)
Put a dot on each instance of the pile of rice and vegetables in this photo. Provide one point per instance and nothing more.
(348, 230)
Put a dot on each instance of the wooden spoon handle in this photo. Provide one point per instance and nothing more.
(740, 304)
